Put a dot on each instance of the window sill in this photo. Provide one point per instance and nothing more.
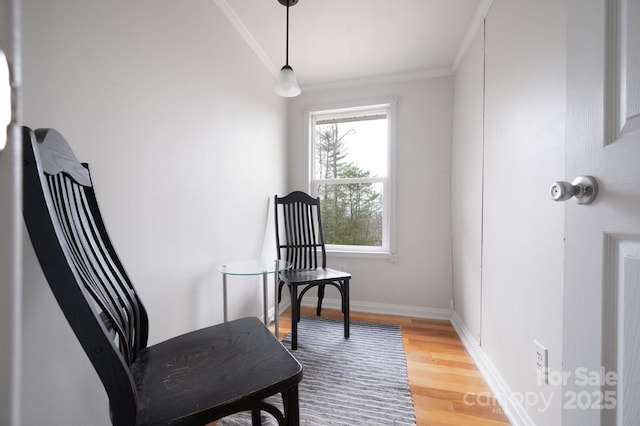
(348, 254)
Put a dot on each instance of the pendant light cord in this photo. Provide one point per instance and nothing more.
(287, 48)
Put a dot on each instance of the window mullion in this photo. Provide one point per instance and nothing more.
(346, 181)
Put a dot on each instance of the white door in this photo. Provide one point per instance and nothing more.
(601, 334)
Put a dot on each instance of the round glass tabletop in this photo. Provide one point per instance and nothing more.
(254, 267)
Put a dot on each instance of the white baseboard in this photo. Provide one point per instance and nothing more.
(382, 308)
(282, 306)
(516, 414)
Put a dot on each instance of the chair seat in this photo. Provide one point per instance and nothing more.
(319, 275)
(215, 371)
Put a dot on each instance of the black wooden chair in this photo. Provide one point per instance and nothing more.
(191, 379)
(300, 240)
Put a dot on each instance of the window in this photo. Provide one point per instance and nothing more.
(352, 173)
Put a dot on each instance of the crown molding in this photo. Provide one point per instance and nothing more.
(378, 80)
(223, 5)
(476, 22)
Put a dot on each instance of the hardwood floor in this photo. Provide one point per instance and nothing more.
(446, 386)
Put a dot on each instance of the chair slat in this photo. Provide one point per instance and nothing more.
(100, 274)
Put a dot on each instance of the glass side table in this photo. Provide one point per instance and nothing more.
(255, 267)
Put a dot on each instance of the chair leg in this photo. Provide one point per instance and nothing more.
(295, 316)
(256, 419)
(345, 307)
(291, 406)
(320, 297)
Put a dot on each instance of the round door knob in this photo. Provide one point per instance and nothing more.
(583, 188)
(562, 191)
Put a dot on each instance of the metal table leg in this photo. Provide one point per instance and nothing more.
(224, 295)
(276, 303)
(265, 298)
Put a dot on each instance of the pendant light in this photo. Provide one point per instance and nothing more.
(287, 85)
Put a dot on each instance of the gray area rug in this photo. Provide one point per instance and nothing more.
(357, 381)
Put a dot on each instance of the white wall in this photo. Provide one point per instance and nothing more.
(419, 283)
(177, 117)
(466, 185)
(522, 269)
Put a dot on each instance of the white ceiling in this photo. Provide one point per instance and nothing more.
(344, 40)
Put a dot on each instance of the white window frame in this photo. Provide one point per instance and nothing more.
(389, 106)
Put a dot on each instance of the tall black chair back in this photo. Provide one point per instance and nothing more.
(302, 241)
(191, 379)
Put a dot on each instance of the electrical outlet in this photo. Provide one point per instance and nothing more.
(541, 357)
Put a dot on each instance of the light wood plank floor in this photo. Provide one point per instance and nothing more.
(440, 370)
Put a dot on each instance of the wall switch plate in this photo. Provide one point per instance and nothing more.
(541, 358)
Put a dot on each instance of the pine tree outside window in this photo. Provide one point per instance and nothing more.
(352, 173)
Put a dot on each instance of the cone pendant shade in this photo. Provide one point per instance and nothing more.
(287, 85)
